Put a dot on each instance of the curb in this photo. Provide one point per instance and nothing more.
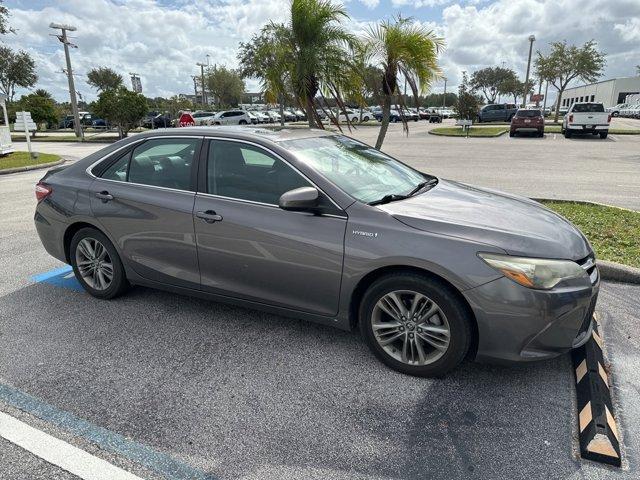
(618, 272)
(597, 430)
(431, 132)
(32, 167)
(583, 202)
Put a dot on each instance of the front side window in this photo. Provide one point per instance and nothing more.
(358, 169)
(242, 171)
(160, 162)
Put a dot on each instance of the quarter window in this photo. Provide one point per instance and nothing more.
(161, 163)
(245, 172)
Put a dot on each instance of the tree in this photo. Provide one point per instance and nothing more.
(104, 78)
(4, 22)
(565, 63)
(402, 47)
(120, 107)
(225, 85)
(308, 52)
(467, 102)
(512, 86)
(41, 105)
(490, 80)
(17, 69)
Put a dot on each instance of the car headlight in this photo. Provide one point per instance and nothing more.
(539, 273)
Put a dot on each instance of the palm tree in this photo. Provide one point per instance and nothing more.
(403, 47)
(306, 54)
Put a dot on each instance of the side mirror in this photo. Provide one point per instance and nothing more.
(300, 199)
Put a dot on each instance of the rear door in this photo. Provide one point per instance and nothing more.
(143, 198)
(249, 248)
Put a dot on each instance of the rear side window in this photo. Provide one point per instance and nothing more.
(528, 113)
(588, 108)
(161, 163)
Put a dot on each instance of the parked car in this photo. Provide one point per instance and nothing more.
(262, 116)
(273, 115)
(99, 123)
(322, 227)
(498, 112)
(156, 120)
(586, 117)
(394, 116)
(68, 121)
(634, 112)
(354, 116)
(615, 110)
(201, 118)
(231, 117)
(630, 111)
(289, 115)
(300, 115)
(529, 120)
(254, 118)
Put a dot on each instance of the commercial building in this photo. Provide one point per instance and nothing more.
(609, 92)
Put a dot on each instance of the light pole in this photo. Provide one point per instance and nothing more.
(72, 89)
(532, 38)
(444, 97)
(204, 95)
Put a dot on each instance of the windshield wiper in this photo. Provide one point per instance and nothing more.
(393, 197)
(421, 185)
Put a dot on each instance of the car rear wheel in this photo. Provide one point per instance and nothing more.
(512, 133)
(603, 135)
(96, 264)
(242, 122)
(415, 325)
(567, 133)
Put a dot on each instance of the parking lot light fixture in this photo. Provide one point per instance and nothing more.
(532, 38)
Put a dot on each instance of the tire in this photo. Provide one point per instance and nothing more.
(395, 120)
(567, 133)
(451, 314)
(541, 134)
(603, 135)
(512, 134)
(615, 114)
(118, 283)
(242, 122)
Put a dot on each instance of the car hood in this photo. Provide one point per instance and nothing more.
(517, 225)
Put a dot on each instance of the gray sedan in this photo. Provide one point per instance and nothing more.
(322, 227)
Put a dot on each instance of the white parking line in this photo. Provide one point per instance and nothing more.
(60, 453)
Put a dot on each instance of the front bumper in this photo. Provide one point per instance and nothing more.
(518, 324)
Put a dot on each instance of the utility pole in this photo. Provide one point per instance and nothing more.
(204, 95)
(532, 39)
(72, 89)
(444, 97)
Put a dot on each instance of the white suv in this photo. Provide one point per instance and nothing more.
(231, 117)
(201, 118)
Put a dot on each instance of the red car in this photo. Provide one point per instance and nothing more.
(527, 120)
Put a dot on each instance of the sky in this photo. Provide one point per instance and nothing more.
(162, 40)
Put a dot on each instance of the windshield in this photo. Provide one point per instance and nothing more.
(360, 170)
(588, 108)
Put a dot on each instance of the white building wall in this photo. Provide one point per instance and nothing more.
(607, 92)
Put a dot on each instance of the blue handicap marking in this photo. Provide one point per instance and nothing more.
(60, 277)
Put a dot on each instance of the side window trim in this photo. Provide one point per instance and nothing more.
(204, 168)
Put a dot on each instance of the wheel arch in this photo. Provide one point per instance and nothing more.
(367, 280)
(71, 231)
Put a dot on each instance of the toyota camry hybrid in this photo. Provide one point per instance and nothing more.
(320, 226)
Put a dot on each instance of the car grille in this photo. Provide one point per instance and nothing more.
(589, 264)
(587, 318)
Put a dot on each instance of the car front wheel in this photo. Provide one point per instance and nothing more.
(415, 325)
(96, 264)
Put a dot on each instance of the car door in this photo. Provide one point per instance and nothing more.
(143, 198)
(249, 248)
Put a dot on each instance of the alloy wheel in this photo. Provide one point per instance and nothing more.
(94, 263)
(410, 327)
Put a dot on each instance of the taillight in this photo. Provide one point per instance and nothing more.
(571, 118)
(42, 191)
(609, 119)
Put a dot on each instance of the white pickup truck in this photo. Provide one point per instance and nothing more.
(586, 117)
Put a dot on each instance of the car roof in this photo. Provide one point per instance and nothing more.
(244, 132)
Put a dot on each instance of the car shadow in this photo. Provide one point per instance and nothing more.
(238, 391)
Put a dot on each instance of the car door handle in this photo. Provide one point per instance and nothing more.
(209, 216)
(104, 196)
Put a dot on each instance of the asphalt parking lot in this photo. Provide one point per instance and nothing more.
(172, 387)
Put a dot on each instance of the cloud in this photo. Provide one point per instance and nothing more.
(163, 41)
